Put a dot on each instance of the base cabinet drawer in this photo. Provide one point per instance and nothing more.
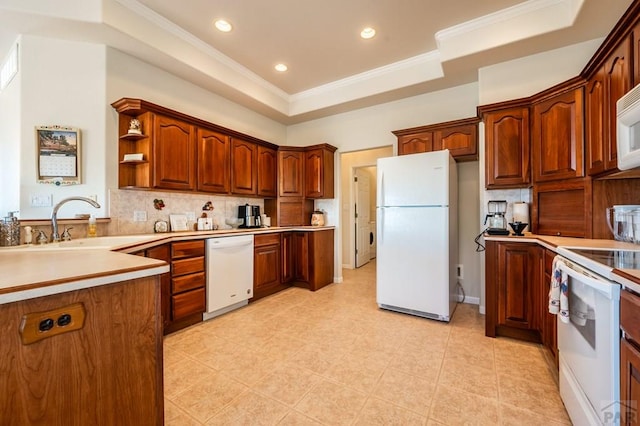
(188, 303)
(187, 266)
(187, 282)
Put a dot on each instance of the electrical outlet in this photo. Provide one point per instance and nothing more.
(139, 216)
(41, 200)
(460, 271)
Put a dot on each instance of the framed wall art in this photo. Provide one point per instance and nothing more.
(59, 155)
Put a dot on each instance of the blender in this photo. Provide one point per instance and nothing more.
(496, 218)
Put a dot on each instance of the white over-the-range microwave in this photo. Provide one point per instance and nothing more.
(628, 129)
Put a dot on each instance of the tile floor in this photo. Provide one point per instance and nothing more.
(333, 358)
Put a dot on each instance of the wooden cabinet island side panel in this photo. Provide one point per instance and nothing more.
(507, 148)
(108, 372)
(214, 161)
(174, 154)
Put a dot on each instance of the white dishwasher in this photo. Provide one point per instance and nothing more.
(229, 274)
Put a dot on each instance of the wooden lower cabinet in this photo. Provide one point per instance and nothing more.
(300, 258)
(630, 357)
(108, 372)
(266, 265)
(513, 275)
(184, 301)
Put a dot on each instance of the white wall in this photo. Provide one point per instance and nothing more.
(371, 128)
(10, 141)
(62, 83)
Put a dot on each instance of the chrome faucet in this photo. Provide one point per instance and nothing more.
(55, 237)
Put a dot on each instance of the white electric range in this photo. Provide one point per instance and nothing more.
(589, 342)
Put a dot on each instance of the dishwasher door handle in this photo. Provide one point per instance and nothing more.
(217, 244)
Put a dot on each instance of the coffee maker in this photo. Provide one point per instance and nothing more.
(250, 216)
(496, 218)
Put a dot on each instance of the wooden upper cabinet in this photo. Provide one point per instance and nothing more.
(507, 148)
(415, 143)
(460, 137)
(318, 172)
(563, 208)
(557, 137)
(244, 176)
(460, 140)
(267, 172)
(608, 84)
(595, 116)
(214, 156)
(174, 154)
(618, 82)
(291, 170)
(635, 53)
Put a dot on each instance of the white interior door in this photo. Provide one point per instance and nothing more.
(362, 217)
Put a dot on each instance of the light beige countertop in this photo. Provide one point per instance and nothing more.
(627, 277)
(29, 271)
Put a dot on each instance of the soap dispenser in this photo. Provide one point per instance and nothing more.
(92, 229)
(10, 230)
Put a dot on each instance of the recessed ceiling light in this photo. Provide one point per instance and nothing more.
(367, 33)
(223, 25)
(281, 67)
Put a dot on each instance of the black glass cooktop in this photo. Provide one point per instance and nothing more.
(620, 259)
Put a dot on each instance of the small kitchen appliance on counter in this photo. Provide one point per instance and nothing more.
(250, 216)
(496, 218)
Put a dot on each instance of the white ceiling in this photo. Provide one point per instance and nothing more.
(420, 45)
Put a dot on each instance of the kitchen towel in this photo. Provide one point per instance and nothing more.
(559, 291)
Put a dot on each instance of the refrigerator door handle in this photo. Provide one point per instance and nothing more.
(381, 229)
(381, 201)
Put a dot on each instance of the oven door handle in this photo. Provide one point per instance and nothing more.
(608, 288)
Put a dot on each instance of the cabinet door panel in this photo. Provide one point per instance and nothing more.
(286, 248)
(267, 172)
(290, 164)
(563, 208)
(507, 148)
(413, 144)
(244, 174)
(461, 141)
(214, 157)
(313, 174)
(301, 253)
(520, 272)
(618, 80)
(558, 137)
(174, 154)
(596, 123)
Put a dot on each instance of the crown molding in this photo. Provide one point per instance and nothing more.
(524, 20)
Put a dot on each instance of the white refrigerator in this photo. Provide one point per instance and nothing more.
(417, 230)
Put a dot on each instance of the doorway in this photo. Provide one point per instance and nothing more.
(350, 163)
(362, 214)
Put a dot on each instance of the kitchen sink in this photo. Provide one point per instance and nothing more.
(107, 243)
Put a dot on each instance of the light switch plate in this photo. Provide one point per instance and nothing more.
(41, 200)
(139, 216)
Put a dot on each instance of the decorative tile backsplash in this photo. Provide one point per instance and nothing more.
(125, 204)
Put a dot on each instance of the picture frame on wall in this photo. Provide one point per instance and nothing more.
(59, 155)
